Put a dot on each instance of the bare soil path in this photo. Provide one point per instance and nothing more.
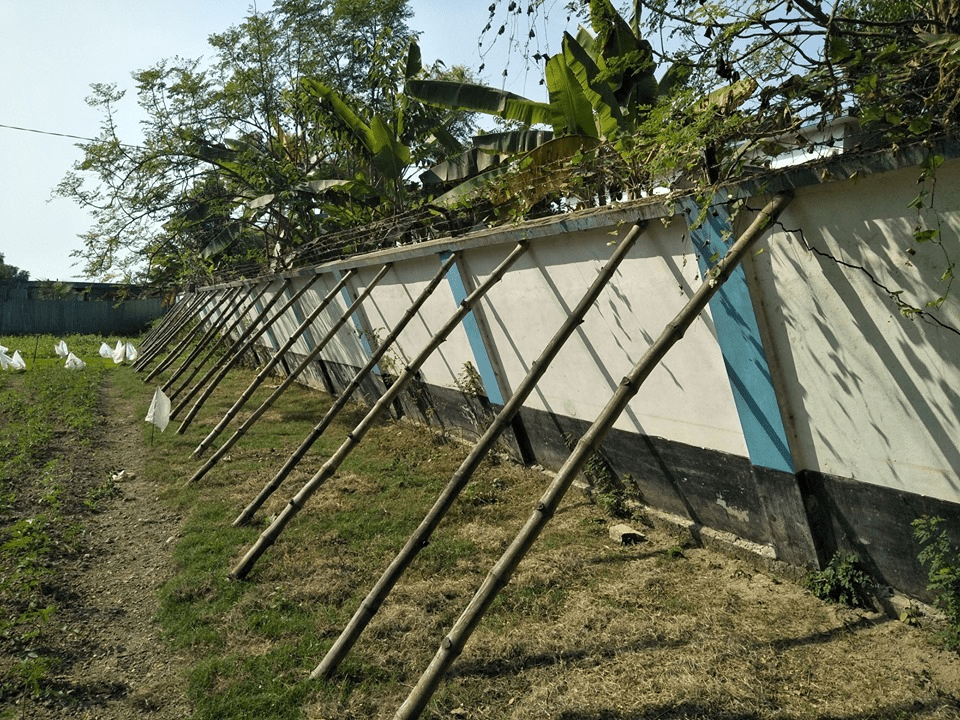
(116, 665)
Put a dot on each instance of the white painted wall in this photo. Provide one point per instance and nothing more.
(867, 393)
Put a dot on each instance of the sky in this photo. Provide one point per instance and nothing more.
(51, 51)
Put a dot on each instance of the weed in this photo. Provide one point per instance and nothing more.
(842, 581)
(942, 559)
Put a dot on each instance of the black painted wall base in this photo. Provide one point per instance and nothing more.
(805, 518)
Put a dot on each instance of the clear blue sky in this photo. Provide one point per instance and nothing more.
(51, 51)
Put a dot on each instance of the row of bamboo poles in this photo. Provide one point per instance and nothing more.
(206, 319)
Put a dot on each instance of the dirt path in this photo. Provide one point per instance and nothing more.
(118, 666)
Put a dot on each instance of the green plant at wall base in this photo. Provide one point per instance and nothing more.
(942, 560)
(842, 581)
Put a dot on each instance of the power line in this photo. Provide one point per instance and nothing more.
(56, 134)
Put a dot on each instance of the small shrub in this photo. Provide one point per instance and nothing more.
(942, 560)
(841, 581)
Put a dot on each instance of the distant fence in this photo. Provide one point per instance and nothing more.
(66, 317)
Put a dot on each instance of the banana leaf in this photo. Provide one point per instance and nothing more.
(572, 111)
(478, 98)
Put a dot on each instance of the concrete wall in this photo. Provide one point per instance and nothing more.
(803, 411)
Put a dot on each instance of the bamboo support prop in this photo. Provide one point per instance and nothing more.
(291, 378)
(213, 327)
(239, 317)
(209, 326)
(269, 536)
(231, 355)
(226, 297)
(499, 576)
(271, 364)
(421, 536)
(191, 314)
(345, 395)
(169, 328)
(216, 325)
(242, 346)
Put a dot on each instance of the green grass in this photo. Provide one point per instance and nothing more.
(47, 415)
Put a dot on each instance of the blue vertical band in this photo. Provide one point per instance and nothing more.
(739, 337)
(355, 319)
(481, 356)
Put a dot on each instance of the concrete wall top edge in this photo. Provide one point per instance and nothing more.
(836, 168)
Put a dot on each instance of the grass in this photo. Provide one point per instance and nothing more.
(47, 414)
(585, 630)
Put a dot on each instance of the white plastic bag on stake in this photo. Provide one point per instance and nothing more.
(131, 352)
(74, 363)
(6, 362)
(17, 362)
(105, 351)
(118, 352)
(61, 349)
(159, 412)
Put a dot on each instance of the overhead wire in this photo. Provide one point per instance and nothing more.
(63, 135)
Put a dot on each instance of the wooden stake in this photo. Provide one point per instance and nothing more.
(453, 643)
(269, 536)
(420, 538)
(344, 397)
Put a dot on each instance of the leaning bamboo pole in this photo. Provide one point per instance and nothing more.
(243, 346)
(197, 329)
(291, 378)
(171, 325)
(239, 317)
(346, 394)
(184, 331)
(421, 536)
(213, 326)
(267, 369)
(269, 536)
(499, 576)
(257, 323)
(188, 310)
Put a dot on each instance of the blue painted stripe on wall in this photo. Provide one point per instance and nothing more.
(271, 336)
(481, 357)
(355, 319)
(741, 345)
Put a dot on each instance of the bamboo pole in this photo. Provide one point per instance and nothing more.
(499, 576)
(271, 364)
(238, 317)
(171, 325)
(345, 396)
(190, 314)
(242, 346)
(226, 297)
(213, 327)
(269, 536)
(421, 536)
(213, 321)
(291, 378)
(231, 354)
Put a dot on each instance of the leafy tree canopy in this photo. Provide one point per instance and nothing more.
(242, 159)
(10, 274)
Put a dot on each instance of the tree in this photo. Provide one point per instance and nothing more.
(236, 164)
(10, 274)
(893, 63)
